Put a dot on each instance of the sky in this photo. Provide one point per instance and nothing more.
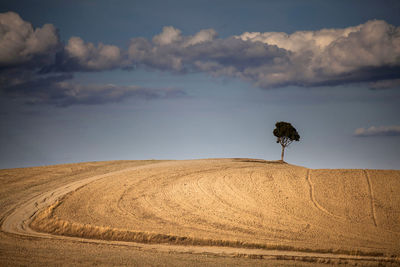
(94, 80)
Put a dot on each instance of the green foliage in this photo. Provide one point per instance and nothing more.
(285, 133)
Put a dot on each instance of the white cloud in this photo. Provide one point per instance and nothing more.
(335, 55)
(364, 53)
(200, 37)
(20, 43)
(300, 41)
(167, 36)
(91, 57)
(378, 131)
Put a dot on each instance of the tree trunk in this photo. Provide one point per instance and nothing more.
(283, 152)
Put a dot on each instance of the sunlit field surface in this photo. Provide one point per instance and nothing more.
(182, 211)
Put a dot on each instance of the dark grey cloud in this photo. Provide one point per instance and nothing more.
(385, 84)
(377, 131)
(230, 56)
(60, 91)
(68, 93)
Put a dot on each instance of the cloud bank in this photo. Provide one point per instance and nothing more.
(367, 53)
(378, 131)
(36, 66)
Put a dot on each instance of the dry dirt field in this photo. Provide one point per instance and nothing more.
(211, 212)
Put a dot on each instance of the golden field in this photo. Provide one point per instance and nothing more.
(205, 212)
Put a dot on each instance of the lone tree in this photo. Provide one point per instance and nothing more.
(285, 134)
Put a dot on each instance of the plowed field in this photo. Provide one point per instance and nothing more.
(240, 203)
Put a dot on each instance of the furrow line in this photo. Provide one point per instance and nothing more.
(312, 196)
(372, 199)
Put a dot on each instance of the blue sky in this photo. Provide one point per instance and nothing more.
(107, 80)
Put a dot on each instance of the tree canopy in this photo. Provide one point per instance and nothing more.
(285, 134)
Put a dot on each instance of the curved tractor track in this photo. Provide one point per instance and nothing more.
(226, 207)
(312, 197)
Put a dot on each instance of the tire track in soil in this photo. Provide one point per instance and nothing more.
(312, 197)
(372, 199)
